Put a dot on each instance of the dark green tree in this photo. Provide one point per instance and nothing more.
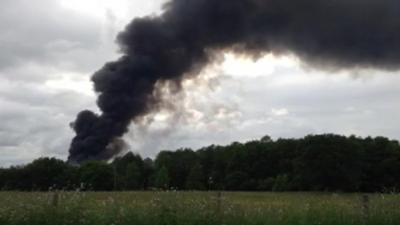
(196, 179)
(162, 178)
(97, 176)
(133, 177)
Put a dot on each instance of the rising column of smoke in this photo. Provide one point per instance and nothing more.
(327, 34)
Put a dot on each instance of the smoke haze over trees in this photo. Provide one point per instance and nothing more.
(329, 35)
(314, 163)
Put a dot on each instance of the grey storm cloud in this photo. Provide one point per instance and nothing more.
(39, 41)
(42, 32)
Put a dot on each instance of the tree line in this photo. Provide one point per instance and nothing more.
(325, 162)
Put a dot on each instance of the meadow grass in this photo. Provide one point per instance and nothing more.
(197, 208)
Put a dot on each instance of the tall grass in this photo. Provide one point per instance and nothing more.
(197, 208)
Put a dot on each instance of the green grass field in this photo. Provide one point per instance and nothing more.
(200, 208)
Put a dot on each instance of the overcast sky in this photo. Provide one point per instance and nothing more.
(50, 48)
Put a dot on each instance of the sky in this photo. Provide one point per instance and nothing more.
(50, 49)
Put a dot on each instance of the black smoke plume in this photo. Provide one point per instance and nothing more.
(327, 34)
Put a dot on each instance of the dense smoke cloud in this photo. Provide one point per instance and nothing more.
(340, 34)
